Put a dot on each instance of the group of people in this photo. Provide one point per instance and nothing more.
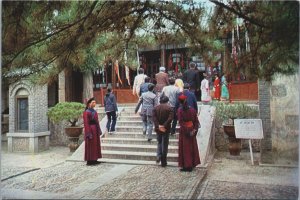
(164, 103)
(221, 88)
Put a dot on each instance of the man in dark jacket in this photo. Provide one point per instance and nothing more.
(111, 110)
(191, 98)
(144, 86)
(162, 118)
(191, 77)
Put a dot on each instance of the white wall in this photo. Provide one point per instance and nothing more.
(285, 115)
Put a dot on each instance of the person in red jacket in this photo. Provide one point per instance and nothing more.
(188, 154)
(92, 132)
(217, 87)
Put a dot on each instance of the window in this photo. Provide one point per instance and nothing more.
(22, 110)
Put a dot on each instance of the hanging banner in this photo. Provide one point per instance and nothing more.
(118, 72)
(127, 74)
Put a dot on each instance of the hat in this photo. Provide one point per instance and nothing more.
(90, 100)
(182, 98)
(162, 69)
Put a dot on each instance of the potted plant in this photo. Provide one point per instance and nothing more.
(226, 113)
(68, 112)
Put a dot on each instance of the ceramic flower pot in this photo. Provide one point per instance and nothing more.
(73, 133)
(235, 144)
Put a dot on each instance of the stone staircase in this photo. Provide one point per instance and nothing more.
(129, 145)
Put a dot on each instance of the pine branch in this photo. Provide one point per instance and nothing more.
(52, 34)
(241, 15)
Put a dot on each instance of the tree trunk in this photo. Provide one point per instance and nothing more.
(265, 115)
(87, 85)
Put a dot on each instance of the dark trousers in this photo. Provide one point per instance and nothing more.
(111, 121)
(162, 147)
(174, 122)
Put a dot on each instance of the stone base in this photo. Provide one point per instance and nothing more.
(3, 137)
(266, 157)
(231, 157)
(28, 142)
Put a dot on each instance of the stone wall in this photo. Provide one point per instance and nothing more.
(36, 137)
(285, 116)
(58, 136)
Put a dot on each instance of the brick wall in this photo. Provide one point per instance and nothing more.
(37, 106)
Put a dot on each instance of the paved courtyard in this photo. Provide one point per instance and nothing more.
(75, 180)
(48, 176)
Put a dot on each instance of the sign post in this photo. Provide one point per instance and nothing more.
(248, 129)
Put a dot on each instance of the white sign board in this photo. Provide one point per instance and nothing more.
(248, 128)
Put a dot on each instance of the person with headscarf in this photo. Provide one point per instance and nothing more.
(92, 132)
(162, 118)
(188, 154)
(111, 109)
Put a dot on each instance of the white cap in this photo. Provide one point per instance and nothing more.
(162, 69)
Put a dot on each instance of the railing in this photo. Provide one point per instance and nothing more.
(122, 96)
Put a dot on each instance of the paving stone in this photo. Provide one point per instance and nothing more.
(151, 182)
(57, 179)
(9, 172)
(237, 190)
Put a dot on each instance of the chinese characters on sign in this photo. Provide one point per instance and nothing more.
(248, 128)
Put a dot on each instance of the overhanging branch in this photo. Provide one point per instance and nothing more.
(241, 15)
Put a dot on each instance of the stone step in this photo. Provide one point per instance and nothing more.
(133, 122)
(128, 117)
(122, 122)
(147, 156)
(129, 109)
(100, 109)
(135, 162)
(137, 123)
(135, 135)
(139, 141)
(136, 148)
(134, 129)
(131, 113)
